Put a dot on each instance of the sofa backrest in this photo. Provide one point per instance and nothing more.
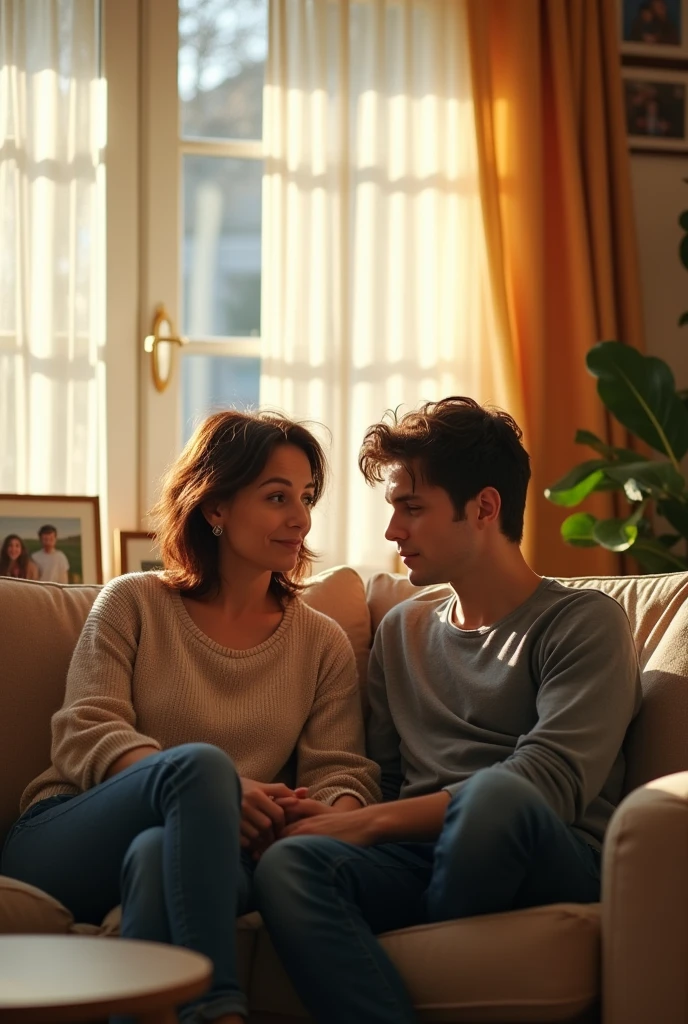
(657, 608)
(40, 626)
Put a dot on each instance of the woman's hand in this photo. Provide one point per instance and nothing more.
(296, 808)
(262, 817)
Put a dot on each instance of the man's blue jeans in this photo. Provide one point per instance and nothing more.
(324, 901)
(162, 838)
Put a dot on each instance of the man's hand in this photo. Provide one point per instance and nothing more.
(356, 827)
(296, 807)
(262, 818)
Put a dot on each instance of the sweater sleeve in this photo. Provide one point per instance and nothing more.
(588, 693)
(383, 742)
(331, 759)
(97, 721)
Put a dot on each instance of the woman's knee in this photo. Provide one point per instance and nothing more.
(204, 759)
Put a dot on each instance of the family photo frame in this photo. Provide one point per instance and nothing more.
(654, 29)
(653, 40)
(51, 537)
(135, 551)
(656, 106)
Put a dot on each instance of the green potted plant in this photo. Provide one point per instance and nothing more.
(640, 392)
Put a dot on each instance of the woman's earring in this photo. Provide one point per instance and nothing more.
(217, 530)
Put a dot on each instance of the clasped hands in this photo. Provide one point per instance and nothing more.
(268, 809)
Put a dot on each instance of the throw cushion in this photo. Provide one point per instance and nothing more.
(29, 911)
(340, 593)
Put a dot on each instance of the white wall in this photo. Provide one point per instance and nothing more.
(661, 195)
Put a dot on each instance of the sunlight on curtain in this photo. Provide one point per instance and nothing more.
(52, 275)
(376, 290)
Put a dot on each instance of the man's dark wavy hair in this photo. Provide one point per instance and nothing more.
(460, 446)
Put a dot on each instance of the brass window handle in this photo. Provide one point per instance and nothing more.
(161, 361)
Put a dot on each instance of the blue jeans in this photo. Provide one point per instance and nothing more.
(162, 838)
(324, 901)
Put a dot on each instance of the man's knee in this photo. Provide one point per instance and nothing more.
(497, 799)
(290, 855)
(283, 872)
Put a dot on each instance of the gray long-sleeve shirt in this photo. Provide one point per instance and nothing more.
(548, 692)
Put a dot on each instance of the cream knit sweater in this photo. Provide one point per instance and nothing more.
(143, 674)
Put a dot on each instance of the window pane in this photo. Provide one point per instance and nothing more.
(222, 47)
(210, 383)
(221, 259)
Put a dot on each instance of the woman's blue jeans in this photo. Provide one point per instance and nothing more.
(324, 901)
(161, 837)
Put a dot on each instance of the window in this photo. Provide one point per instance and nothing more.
(221, 67)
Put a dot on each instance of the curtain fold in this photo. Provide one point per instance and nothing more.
(560, 227)
(52, 278)
(376, 282)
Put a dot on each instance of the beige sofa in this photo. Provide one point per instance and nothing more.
(627, 955)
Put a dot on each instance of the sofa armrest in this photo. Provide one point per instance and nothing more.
(645, 906)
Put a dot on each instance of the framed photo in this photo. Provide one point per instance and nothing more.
(654, 28)
(50, 537)
(135, 552)
(656, 109)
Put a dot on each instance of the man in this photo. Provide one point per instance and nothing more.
(497, 716)
(52, 564)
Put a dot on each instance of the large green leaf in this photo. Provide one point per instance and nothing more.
(610, 452)
(618, 534)
(658, 478)
(655, 557)
(614, 534)
(578, 530)
(641, 393)
(577, 484)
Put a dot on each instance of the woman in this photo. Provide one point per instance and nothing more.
(15, 559)
(190, 695)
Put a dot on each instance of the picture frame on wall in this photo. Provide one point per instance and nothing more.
(654, 29)
(656, 109)
(50, 537)
(135, 551)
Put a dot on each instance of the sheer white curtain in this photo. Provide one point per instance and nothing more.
(375, 286)
(52, 280)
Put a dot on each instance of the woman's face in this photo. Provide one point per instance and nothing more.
(14, 549)
(265, 524)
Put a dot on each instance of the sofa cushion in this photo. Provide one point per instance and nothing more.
(40, 626)
(27, 910)
(541, 964)
(657, 608)
(340, 593)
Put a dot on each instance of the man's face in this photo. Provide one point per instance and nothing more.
(48, 540)
(435, 546)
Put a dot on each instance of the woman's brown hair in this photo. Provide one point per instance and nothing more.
(227, 452)
(22, 561)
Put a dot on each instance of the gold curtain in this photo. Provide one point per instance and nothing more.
(559, 221)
